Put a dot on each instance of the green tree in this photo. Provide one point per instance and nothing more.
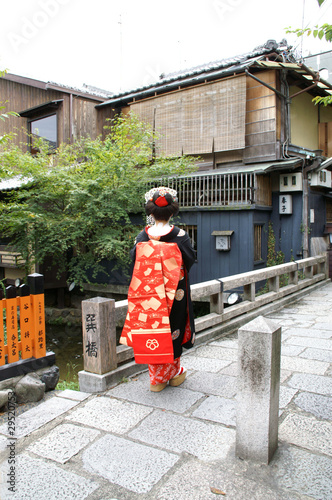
(323, 31)
(75, 205)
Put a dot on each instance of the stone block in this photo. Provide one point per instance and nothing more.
(39, 479)
(217, 409)
(212, 383)
(319, 354)
(176, 433)
(33, 419)
(63, 442)
(204, 364)
(311, 383)
(4, 398)
(307, 432)
(29, 389)
(110, 414)
(318, 405)
(49, 376)
(10, 383)
(177, 399)
(301, 473)
(296, 364)
(76, 395)
(217, 352)
(258, 390)
(133, 466)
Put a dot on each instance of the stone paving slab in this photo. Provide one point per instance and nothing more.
(217, 409)
(284, 374)
(301, 472)
(291, 350)
(40, 479)
(319, 354)
(138, 391)
(3, 443)
(35, 418)
(204, 364)
(286, 394)
(110, 414)
(311, 383)
(307, 432)
(63, 442)
(230, 370)
(197, 479)
(310, 342)
(303, 365)
(134, 466)
(217, 352)
(320, 406)
(223, 410)
(176, 433)
(212, 383)
(309, 332)
(225, 342)
(76, 395)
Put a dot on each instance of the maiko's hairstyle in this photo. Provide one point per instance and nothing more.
(162, 206)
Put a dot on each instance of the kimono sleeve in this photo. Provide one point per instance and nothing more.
(188, 253)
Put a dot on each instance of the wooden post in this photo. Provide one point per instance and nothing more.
(11, 323)
(258, 390)
(36, 285)
(2, 332)
(26, 322)
(99, 335)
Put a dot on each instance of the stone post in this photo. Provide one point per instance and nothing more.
(99, 335)
(258, 390)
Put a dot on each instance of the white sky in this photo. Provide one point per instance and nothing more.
(124, 44)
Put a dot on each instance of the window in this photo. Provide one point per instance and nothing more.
(46, 128)
(192, 233)
(258, 242)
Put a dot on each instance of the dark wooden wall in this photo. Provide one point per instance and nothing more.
(86, 120)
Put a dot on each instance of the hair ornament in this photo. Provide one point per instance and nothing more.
(162, 190)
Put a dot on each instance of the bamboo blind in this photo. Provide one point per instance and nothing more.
(192, 120)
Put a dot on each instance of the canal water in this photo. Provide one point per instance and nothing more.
(67, 344)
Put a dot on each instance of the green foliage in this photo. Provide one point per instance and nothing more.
(75, 204)
(324, 31)
(71, 379)
(274, 258)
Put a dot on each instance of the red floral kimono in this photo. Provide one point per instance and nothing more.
(160, 319)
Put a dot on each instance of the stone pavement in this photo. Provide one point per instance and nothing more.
(129, 443)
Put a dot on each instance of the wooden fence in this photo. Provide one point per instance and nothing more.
(22, 322)
(297, 276)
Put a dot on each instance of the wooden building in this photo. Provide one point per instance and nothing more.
(261, 145)
(55, 112)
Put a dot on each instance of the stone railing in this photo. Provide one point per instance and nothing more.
(105, 363)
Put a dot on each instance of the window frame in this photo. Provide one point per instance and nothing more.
(41, 117)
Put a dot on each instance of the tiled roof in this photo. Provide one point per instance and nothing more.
(211, 69)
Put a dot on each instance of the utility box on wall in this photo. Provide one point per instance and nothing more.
(223, 240)
(320, 179)
(290, 182)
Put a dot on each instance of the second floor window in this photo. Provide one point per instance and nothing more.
(45, 127)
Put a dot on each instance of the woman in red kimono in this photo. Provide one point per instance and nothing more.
(160, 319)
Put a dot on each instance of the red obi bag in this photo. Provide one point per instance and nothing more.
(153, 346)
(150, 299)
